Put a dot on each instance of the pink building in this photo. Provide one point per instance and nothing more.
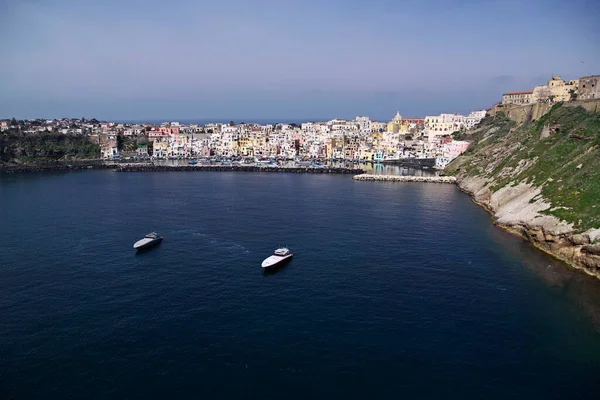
(205, 151)
(157, 134)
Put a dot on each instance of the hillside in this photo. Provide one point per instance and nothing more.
(540, 180)
(16, 147)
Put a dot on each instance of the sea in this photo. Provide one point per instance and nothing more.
(206, 121)
(395, 291)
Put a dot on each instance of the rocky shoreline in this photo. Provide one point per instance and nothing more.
(235, 168)
(546, 233)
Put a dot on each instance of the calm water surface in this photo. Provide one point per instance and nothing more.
(396, 291)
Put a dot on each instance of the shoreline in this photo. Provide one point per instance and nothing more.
(571, 254)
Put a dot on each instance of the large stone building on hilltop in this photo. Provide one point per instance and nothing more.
(556, 90)
(589, 87)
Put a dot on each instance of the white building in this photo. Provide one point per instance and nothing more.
(364, 124)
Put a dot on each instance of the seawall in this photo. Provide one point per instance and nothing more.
(399, 178)
(235, 168)
(12, 169)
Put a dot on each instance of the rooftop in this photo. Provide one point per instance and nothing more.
(521, 92)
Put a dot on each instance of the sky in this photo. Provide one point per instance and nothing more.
(313, 59)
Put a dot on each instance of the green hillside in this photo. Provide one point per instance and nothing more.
(565, 164)
(20, 147)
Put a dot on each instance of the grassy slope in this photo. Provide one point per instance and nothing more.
(512, 154)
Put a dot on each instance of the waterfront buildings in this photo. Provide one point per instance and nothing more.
(360, 139)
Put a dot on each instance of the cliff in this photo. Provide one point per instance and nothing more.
(540, 180)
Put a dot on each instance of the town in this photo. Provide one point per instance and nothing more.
(362, 139)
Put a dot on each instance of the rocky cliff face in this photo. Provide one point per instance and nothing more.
(540, 180)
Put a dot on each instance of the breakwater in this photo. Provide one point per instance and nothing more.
(170, 168)
(408, 178)
(12, 169)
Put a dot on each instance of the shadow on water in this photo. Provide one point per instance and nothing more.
(276, 269)
(576, 285)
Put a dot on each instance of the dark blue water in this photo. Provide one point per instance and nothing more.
(396, 291)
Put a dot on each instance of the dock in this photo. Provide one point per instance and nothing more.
(407, 178)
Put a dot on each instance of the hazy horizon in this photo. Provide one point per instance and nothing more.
(283, 60)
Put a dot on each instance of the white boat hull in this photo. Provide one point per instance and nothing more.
(146, 242)
(275, 260)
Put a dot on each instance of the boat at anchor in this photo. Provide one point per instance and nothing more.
(150, 240)
(278, 257)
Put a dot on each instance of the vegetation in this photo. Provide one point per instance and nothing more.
(560, 153)
(20, 147)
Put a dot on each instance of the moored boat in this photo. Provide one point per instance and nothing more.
(151, 239)
(278, 257)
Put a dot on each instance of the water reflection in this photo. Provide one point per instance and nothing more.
(369, 168)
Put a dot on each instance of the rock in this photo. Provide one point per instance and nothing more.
(594, 235)
(591, 249)
(579, 240)
(579, 166)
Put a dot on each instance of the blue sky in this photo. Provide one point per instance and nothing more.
(242, 59)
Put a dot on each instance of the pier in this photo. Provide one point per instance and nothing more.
(235, 168)
(407, 178)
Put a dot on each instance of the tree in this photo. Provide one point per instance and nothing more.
(120, 142)
(231, 123)
(13, 122)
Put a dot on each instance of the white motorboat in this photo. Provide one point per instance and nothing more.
(151, 239)
(279, 257)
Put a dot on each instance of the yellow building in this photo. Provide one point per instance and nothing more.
(556, 90)
(365, 154)
(397, 124)
(160, 149)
